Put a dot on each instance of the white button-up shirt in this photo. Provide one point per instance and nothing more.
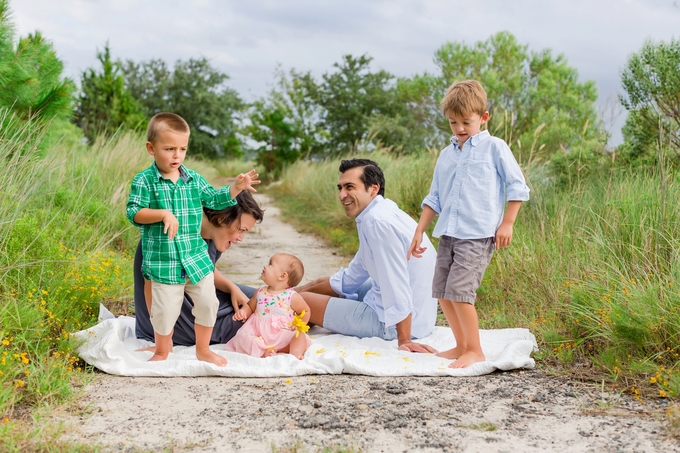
(399, 287)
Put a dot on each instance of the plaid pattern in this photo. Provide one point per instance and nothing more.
(166, 261)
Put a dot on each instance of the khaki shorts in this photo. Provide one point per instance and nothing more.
(460, 267)
(166, 303)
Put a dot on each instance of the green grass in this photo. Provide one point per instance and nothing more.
(593, 270)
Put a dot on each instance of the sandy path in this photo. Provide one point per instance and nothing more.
(503, 412)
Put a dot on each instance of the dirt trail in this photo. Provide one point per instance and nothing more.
(522, 411)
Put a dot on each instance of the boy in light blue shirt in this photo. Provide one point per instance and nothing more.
(473, 179)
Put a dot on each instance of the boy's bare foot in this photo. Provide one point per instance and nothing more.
(269, 353)
(156, 357)
(210, 357)
(452, 353)
(468, 359)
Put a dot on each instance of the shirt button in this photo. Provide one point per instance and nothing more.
(156, 193)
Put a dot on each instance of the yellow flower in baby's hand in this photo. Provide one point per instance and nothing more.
(299, 324)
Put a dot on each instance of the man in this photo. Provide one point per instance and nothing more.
(381, 293)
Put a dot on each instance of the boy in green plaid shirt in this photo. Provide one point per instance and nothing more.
(166, 202)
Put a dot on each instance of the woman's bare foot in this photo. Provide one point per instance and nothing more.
(468, 359)
(211, 357)
(453, 353)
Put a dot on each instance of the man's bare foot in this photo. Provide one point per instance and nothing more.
(468, 359)
(453, 353)
(269, 353)
(211, 357)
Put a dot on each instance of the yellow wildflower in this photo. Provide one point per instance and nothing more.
(299, 324)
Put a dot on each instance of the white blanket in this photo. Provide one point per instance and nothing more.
(111, 346)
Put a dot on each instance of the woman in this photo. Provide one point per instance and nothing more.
(220, 229)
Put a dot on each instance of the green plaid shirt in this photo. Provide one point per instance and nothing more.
(166, 261)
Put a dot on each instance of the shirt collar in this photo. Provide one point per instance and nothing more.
(474, 140)
(183, 173)
(376, 200)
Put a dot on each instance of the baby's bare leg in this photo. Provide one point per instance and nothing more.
(298, 346)
(203, 351)
(452, 318)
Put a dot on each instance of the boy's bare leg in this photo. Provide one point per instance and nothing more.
(452, 318)
(469, 322)
(162, 348)
(147, 295)
(298, 346)
(203, 351)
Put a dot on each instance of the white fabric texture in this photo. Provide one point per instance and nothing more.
(111, 347)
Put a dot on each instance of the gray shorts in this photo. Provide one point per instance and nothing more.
(460, 267)
(355, 318)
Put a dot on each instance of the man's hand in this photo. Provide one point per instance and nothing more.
(245, 181)
(503, 235)
(415, 249)
(171, 224)
(417, 347)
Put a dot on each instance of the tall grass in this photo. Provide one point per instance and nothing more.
(593, 270)
(64, 246)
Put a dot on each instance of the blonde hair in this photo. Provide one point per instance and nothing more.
(165, 121)
(295, 269)
(464, 98)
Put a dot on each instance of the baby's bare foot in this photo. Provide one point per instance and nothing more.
(211, 357)
(453, 353)
(269, 353)
(468, 359)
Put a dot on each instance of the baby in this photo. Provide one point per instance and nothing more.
(274, 327)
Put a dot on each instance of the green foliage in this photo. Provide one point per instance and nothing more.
(64, 243)
(269, 126)
(31, 81)
(104, 104)
(197, 92)
(350, 98)
(651, 80)
(525, 90)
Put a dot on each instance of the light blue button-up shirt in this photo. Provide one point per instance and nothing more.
(471, 185)
(399, 286)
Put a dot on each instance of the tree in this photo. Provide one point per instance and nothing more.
(351, 98)
(525, 90)
(31, 81)
(651, 80)
(197, 92)
(104, 104)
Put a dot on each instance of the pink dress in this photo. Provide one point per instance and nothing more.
(270, 327)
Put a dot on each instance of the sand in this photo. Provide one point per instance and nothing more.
(519, 411)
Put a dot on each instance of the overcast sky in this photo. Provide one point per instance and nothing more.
(247, 39)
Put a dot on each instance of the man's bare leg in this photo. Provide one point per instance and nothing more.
(317, 307)
(469, 322)
(452, 318)
(203, 351)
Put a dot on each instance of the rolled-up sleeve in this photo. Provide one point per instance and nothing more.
(139, 197)
(392, 277)
(432, 198)
(345, 282)
(213, 198)
(516, 188)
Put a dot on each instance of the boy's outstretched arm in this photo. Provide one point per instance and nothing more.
(147, 216)
(244, 181)
(504, 232)
(425, 219)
